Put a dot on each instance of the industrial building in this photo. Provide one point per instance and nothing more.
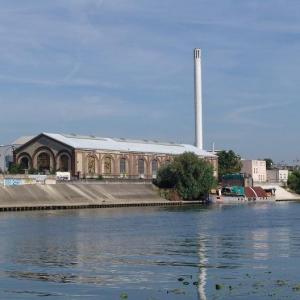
(90, 157)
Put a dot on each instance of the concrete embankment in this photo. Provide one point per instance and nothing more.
(79, 195)
(281, 194)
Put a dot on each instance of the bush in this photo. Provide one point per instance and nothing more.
(166, 177)
(294, 181)
(15, 169)
(190, 175)
(100, 177)
(33, 171)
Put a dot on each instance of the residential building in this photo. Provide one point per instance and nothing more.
(256, 168)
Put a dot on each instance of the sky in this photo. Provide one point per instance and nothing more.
(124, 68)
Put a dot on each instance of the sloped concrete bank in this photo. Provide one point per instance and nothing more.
(281, 194)
(80, 195)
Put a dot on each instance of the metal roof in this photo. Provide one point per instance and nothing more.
(125, 145)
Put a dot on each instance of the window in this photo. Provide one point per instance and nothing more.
(141, 166)
(154, 167)
(123, 166)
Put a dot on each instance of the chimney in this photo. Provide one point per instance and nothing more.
(198, 99)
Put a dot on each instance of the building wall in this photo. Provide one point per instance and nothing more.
(283, 175)
(43, 145)
(277, 175)
(256, 168)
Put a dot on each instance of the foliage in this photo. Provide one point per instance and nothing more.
(15, 169)
(190, 175)
(269, 163)
(229, 163)
(33, 171)
(166, 177)
(294, 181)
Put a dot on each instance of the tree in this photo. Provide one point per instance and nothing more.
(229, 163)
(190, 175)
(269, 163)
(294, 181)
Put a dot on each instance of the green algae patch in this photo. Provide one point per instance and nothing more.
(296, 288)
(281, 282)
(124, 296)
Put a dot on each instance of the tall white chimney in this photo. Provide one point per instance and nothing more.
(198, 99)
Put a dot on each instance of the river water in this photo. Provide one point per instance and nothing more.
(216, 252)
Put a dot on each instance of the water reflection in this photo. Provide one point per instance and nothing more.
(203, 261)
(154, 253)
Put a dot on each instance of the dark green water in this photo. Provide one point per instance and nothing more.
(229, 252)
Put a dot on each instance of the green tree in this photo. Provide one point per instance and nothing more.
(294, 181)
(269, 163)
(190, 175)
(229, 163)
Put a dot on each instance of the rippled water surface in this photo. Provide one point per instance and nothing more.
(229, 252)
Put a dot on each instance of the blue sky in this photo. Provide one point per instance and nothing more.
(124, 68)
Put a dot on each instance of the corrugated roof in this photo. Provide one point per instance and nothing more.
(125, 145)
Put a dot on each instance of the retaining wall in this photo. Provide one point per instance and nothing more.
(76, 195)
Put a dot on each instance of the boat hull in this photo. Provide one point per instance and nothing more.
(237, 199)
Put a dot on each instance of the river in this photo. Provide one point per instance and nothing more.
(215, 252)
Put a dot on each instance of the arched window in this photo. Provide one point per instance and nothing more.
(154, 167)
(43, 162)
(91, 164)
(64, 163)
(107, 165)
(141, 166)
(24, 163)
(123, 166)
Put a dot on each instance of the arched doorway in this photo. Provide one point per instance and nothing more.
(24, 163)
(43, 162)
(64, 163)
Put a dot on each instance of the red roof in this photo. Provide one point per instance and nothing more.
(255, 192)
